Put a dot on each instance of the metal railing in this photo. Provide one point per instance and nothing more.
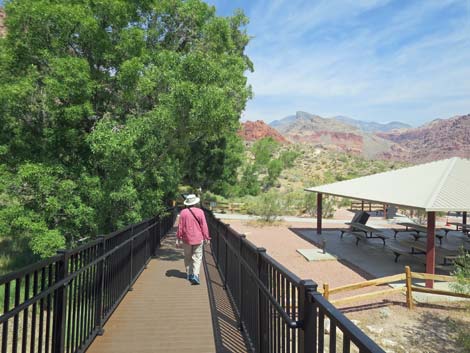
(278, 311)
(61, 304)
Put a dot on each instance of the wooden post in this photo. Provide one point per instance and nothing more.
(362, 205)
(430, 248)
(464, 217)
(326, 291)
(409, 293)
(319, 211)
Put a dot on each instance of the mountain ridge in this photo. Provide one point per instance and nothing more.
(437, 139)
(366, 126)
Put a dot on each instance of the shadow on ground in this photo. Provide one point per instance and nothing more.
(358, 270)
(175, 273)
(168, 251)
(228, 337)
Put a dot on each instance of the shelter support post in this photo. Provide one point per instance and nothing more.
(319, 211)
(430, 248)
(464, 217)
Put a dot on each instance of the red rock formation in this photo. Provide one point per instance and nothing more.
(3, 29)
(256, 130)
(440, 139)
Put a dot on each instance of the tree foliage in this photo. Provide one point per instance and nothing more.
(106, 106)
(267, 165)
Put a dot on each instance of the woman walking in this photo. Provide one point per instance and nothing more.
(192, 233)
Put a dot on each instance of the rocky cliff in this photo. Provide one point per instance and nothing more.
(256, 130)
(335, 135)
(439, 139)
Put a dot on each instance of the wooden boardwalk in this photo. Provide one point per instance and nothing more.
(164, 313)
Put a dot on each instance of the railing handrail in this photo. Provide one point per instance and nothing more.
(360, 339)
(73, 283)
(305, 308)
(10, 276)
(7, 277)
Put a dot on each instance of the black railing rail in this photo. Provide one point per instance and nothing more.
(61, 304)
(277, 310)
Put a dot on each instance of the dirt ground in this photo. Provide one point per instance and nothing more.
(425, 329)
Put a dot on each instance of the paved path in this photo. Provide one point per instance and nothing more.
(164, 313)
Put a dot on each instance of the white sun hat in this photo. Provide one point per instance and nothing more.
(191, 200)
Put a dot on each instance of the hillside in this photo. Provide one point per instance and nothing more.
(337, 136)
(256, 130)
(439, 139)
(316, 165)
(371, 126)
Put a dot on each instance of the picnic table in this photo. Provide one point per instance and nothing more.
(420, 248)
(370, 232)
(461, 226)
(417, 229)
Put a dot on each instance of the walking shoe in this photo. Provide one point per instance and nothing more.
(190, 278)
(195, 280)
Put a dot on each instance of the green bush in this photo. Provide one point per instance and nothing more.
(268, 206)
(462, 272)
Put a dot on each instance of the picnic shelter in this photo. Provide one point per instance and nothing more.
(440, 186)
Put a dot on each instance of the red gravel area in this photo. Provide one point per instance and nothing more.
(426, 329)
(282, 243)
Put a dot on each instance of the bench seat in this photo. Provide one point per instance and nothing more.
(361, 236)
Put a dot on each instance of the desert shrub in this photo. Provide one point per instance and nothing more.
(328, 209)
(268, 206)
(288, 158)
(462, 272)
(293, 202)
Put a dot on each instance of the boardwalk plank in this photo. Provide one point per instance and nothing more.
(164, 313)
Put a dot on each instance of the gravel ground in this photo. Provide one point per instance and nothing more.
(427, 328)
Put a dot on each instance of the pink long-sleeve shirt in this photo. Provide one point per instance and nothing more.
(189, 230)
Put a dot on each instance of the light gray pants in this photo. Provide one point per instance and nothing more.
(192, 258)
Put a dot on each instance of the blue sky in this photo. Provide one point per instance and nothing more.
(377, 60)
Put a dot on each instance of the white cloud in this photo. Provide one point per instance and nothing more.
(328, 52)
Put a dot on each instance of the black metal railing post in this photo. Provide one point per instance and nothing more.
(240, 287)
(60, 304)
(261, 309)
(307, 317)
(147, 247)
(217, 240)
(226, 259)
(156, 232)
(100, 286)
(131, 271)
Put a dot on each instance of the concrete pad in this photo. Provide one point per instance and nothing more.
(316, 255)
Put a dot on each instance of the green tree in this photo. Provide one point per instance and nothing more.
(263, 150)
(102, 105)
(213, 164)
(274, 170)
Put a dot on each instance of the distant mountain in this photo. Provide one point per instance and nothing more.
(370, 126)
(256, 130)
(285, 121)
(441, 138)
(335, 135)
